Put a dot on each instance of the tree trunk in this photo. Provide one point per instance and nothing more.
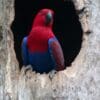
(81, 81)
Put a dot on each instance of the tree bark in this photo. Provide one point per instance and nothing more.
(81, 81)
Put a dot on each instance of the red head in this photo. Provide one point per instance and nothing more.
(44, 18)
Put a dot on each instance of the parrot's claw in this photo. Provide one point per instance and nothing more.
(28, 68)
(52, 73)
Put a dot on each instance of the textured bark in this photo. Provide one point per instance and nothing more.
(81, 81)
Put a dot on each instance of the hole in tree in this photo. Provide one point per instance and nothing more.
(66, 26)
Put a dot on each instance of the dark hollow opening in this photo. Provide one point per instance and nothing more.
(66, 26)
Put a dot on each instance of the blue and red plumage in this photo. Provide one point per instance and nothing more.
(41, 49)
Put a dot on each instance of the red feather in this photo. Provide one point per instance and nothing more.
(38, 39)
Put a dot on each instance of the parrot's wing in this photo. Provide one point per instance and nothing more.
(57, 53)
(25, 51)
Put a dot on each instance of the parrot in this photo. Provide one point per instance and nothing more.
(41, 49)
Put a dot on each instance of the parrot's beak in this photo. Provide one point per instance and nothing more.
(49, 18)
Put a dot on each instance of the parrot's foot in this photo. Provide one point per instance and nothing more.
(28, 68)
(52, 73)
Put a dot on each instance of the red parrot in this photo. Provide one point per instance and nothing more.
(40, 48)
